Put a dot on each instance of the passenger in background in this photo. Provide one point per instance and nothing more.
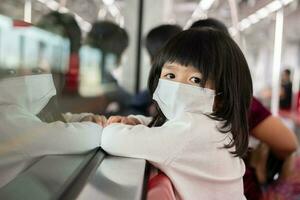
(285, 102)
(32, 126)
(155, 40)
(112, 41)
(266, 128)
(200, 131)
(65, 25)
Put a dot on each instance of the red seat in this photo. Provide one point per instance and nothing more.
(298, 102)
(160, 188)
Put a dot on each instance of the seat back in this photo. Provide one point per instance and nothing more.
(160, 187)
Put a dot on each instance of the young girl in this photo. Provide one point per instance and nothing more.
(202, 87)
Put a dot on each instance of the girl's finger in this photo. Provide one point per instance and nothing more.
(104, 120)
(124, 120)
(133, 121)
(101, 120)
(114, 119)
(88, 118)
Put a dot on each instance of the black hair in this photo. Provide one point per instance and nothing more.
(287, 72)
(211, 23)
(159, 36)
(219, 60)
(108, 37)
(63, 24)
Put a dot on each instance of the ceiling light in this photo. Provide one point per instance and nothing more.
(285, 2)
(245, 23)
(206, 4)
(274, 6)
(253, 18)
(108, 2)
(262, 13)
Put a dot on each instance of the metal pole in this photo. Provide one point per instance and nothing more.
(27, 11)
(139, 45)
(277, 62)
(234, 18)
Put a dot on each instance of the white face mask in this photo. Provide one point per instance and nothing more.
(174, 98)
(31, 92)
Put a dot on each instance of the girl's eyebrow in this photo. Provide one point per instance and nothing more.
(169, 66)
(197, 74)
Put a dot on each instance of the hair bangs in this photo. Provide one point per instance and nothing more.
(190, 50)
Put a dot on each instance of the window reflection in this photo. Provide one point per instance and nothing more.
(30, 50)
(90, 59)
(82, 66)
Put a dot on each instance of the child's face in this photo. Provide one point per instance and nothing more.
(187, 75)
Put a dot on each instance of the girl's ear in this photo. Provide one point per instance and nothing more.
(217, 103)
(210, 85)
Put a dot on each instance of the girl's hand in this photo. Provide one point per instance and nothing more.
(98, 119)
(123, 120)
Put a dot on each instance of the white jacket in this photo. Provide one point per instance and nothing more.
(188, 149)
(24, 137)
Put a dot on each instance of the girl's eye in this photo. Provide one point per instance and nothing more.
(196, 80)
(170, 76)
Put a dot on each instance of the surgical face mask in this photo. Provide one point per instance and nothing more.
(31, 92)
(174, 98)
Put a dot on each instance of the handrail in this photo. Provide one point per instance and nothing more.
(94, 175)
